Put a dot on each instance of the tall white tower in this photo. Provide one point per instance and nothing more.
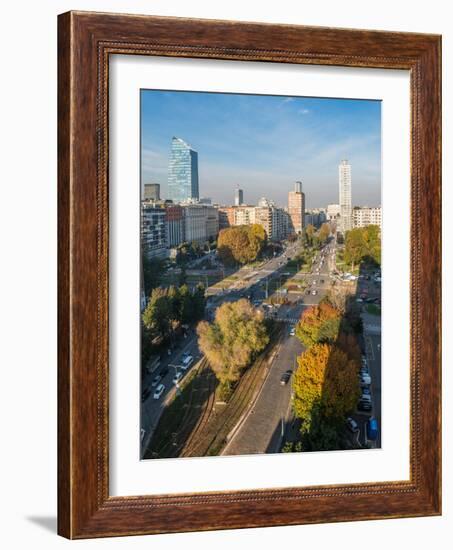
(344, 182)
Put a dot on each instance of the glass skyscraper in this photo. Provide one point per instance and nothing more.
(182, 172)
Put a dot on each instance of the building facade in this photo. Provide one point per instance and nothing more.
(365, 215)
(316, 217)
(151, 191)
(275, 221)
(344, 183)
(226, 216)
(182, 172)
(263, 217)
(332, 212)
(153, 234)
(174, 225)
(201, 222)
(296, 209)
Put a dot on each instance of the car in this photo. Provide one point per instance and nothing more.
(156, 380)
(365, 397)
(159, 391)
(365, 379)
(314, 292)
(146, 393)
(307, 292)
(177, 377)
(284, 378)
(292, 331)
(359, 300)
(366, 390)
(352, 425)
(372, 429)
(365, 406)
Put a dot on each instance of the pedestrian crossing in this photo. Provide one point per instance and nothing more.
(290, 320)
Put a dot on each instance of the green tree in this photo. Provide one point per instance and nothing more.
(185, 304)
(158, 313)
(363, 244)
(319, 323)
(152, 273)
(231, 342)
(198, 302)
(174, 304)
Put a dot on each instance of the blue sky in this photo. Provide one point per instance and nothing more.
(265, 143)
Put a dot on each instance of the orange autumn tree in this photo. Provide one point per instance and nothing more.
(320, 323)
(325, 384)
(241, 244)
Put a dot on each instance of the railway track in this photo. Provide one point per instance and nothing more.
(190, 444)
(210, 435)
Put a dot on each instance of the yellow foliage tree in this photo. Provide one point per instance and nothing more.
(325, 383)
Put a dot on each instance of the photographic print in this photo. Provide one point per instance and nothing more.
(260, 293)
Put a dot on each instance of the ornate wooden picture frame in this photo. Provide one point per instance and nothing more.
(85, 41)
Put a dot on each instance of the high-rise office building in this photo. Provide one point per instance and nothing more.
(344, 182)
(238, 197)
(151, 192)
(182, 172)
(296, 209)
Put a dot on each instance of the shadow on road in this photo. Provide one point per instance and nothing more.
(324, 427)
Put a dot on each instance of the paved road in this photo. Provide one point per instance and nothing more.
(151, 408)
(262, 429)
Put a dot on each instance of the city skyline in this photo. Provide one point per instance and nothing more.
(264, 143)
